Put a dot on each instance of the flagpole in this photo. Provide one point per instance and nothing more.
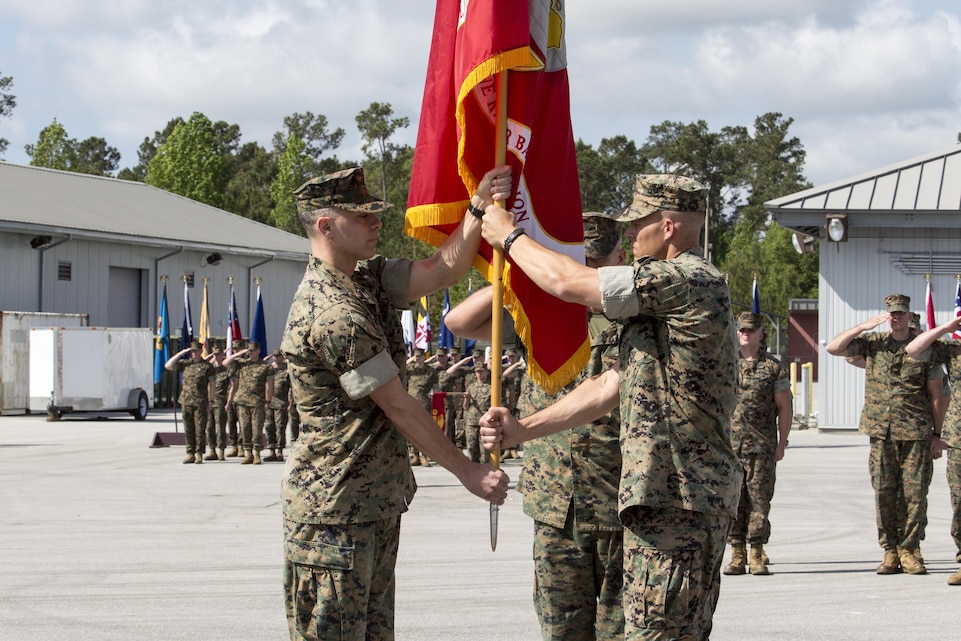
(497, 307)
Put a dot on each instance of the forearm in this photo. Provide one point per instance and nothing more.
(449, 263)
(839, 344)
(555, 273)
(925, 340)
(590, 400)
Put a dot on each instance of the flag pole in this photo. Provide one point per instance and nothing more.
(497, 309)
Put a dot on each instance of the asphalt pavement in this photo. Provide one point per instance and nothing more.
(103, 538)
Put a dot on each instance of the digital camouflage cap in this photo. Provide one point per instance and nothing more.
(342, 189)
(664, 192)
(915, 322)
(898, 303)
(748, 320)
(602, 234)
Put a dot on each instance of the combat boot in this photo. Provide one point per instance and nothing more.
(257, 459)
(424, 461)
(271, 457)
(279, 454)
(212, 456)
(234, 451)
(198, 458)
(757, 562)
(910, 563)
(738, 554)
(221, 456)
(955, 579)
(890, 564)
(248, 459)
(189, 459)
(764, 558)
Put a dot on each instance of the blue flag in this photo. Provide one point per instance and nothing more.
(162, 346)
(187, 329)
(258, 330)
(756, 305)
(446, 339)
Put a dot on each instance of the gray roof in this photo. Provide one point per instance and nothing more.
(34, 199)
(920, 192)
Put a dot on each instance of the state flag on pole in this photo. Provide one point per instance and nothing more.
(756, 302)
(473, 41)
(162, 346)
(233, 322)
(422, 337)
(205, 324)
(258, 329)
(187, 329)
(446, 338)
(957, 308)
(438, 409)
(410, 331)
(929, 307)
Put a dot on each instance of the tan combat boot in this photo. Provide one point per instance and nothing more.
(212, 456)
(248, 459)
(221, 456)
(234, 451)
(189, 459)
(257, 460)
(272, 456)
(910, 562)
(757, 561)
(279, 454)
(890, 564)
(198, 458)
(955, 579)
(424, 461)
(738, 554)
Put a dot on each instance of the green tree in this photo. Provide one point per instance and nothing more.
(94, 156)
(312, 131)
(7, 102)
(147, 150)
(252, 170)
(377, 126)
(53, 149)
(293, 168)
(607, 174)
(192, 162)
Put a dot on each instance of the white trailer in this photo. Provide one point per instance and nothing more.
(91, 369)
(15, 353)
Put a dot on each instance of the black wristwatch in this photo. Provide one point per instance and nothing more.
(511, 237)
(477, 212)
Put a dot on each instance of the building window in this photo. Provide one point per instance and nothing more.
(65, 270)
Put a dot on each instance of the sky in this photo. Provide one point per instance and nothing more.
(868, 82)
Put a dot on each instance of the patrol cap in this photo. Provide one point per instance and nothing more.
(253, 344)
(898, 303)
(664, 192)
(915, 322)
(442, 351)
(237, 343)
(277, 352)
(342, 189)
(602, 234)
(218, 349)
(480, 364)
(195, 344)
(747, 320)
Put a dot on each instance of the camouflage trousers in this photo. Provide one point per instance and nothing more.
(339, 580)
(578, 578)
(195, 426)
(899, 471)
(251, 419)
(276, 428)
(953, 473)
(234, 436)
(752, 524)
(672, 572)
(294, 424)
(475, 451)
(217, 425)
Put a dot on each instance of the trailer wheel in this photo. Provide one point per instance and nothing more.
(140, 411)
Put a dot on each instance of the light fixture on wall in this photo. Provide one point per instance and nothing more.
(214, 259)
(803, 244)
(837, 227)
(39, 242)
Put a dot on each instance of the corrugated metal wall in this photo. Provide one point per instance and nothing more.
(855, 278)
(88, 290)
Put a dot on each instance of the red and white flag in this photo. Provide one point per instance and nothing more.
(929, 308)
(423, 334)
(473, 41)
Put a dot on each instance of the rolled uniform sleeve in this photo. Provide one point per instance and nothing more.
(618, 293)
(369, 375)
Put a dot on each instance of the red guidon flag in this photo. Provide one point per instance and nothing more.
(438, 409)
(473, 41)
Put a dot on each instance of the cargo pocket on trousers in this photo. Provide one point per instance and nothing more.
(320, 555)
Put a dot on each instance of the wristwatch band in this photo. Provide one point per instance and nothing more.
(511, 237)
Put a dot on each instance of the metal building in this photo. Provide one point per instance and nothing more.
(72, 243)
(883, 232)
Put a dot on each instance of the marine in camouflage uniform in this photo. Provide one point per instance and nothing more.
(251, 391)
(513, 382)
(277, 411)
(348, 478)
(194, 397)
(759, 432)
(680, 478)
(234, 436)
(421, 381)
(458, 380)
(898, 417)
(446, 383)
(476, 402)
(217, 417)
(926, 348)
